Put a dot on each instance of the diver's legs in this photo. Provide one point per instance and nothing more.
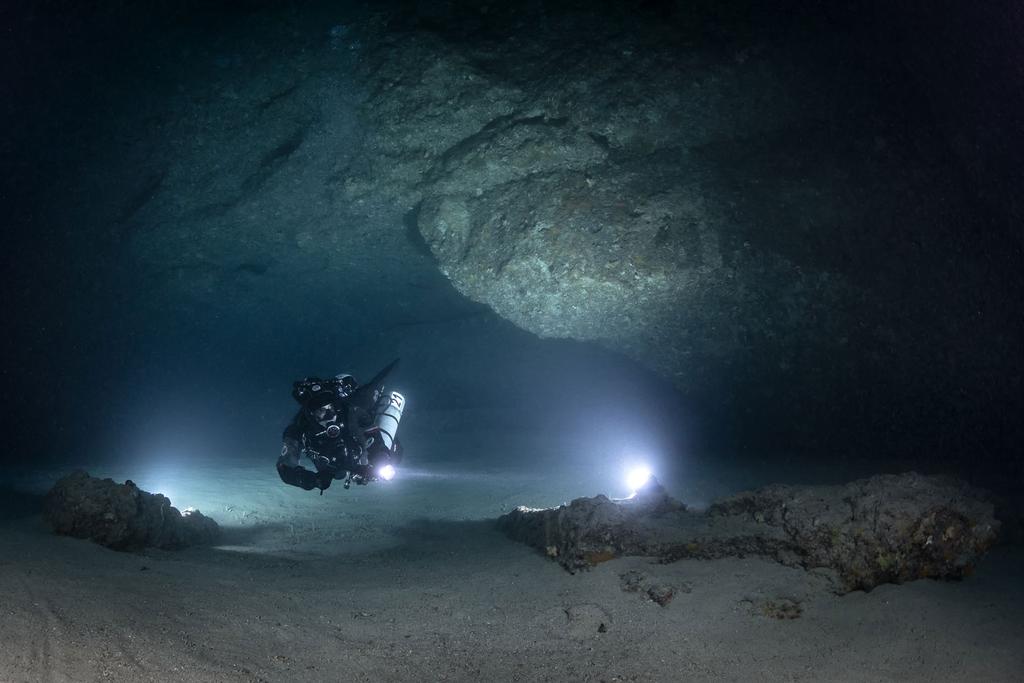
(289, 470)
(298, 476)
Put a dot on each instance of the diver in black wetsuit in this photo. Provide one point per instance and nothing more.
(346, 430)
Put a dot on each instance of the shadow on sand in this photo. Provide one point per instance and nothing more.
(252, 535)
(423, 537)
(420, 538)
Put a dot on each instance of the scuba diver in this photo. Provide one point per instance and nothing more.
(347, 430)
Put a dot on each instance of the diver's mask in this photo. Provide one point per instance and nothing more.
(327, 417)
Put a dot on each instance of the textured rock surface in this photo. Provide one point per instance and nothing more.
(733, 207)
(619, 190)
(751, 199)
(886, 529)
(122, 516)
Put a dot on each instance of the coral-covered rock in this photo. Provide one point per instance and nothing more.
(886, 529)
(123, 516)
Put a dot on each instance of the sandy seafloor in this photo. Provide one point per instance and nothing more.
(408, 581)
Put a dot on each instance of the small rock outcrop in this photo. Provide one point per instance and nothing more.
(885, 529)
(123, 516)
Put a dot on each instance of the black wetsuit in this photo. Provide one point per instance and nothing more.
(333, 457)
(341, 446)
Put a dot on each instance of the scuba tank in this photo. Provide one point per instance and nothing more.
(386, 422)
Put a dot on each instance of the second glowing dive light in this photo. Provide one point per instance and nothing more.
(637, 477)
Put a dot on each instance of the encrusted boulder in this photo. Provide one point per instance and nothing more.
(886, 529)
(889, 528)
(123, 516)
(589, 531)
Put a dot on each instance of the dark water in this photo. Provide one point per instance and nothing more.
(104, 359)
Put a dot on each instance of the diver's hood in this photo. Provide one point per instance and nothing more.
(320, 399)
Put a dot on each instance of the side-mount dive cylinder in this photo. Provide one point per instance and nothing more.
(387, 420)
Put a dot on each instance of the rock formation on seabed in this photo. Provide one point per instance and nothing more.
(123, 516)
(885, 529)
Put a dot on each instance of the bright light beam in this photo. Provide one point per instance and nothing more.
(637, 477)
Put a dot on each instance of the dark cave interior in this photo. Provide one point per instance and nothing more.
(173, 262)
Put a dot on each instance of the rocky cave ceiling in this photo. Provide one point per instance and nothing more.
(743, 211)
